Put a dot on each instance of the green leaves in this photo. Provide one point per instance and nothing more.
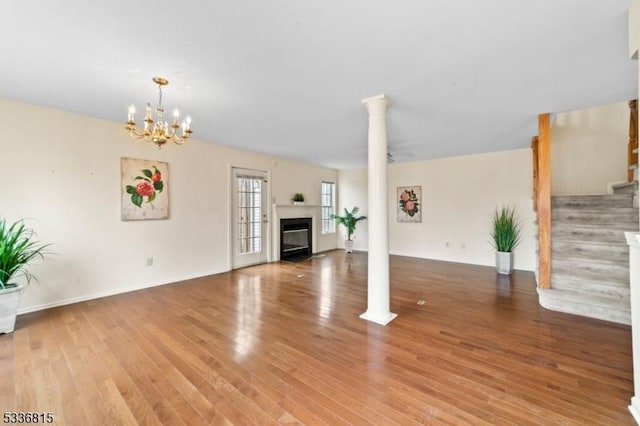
(137, 199)
(506, 229)
(349, 220)
(18, 246)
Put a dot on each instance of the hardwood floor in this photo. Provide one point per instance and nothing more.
(282, 343)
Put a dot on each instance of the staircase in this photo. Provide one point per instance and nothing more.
(590, 255)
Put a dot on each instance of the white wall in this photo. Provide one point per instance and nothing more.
(352, 192)
(634, 29)
(62, 172)
(459, 195)
(589, 149)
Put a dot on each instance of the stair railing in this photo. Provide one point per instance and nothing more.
(632, 146)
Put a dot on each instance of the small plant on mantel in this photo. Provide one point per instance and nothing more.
(298, 198)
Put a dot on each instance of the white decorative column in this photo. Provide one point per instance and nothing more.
(377, 217)
(633, 238)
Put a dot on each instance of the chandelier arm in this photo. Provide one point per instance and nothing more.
(134, 133)
(180, 140)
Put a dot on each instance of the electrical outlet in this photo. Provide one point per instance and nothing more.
(149, 261)
(463, 246)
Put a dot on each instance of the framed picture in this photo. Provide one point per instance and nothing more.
(143, 185)
(409, 200)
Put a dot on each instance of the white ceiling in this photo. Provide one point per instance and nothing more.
(286, 77)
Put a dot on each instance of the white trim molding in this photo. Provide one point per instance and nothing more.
(633, 239)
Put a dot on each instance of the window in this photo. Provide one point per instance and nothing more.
(249, 214)
(328, 207)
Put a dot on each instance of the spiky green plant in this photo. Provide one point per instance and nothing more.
(506, 232)
(18, 247)
(349, 220)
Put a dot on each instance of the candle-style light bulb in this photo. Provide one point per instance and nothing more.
(176, 116)
(188, 123)
(132, 111)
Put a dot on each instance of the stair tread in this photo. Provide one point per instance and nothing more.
(633, 183)
(597, 289)
(585, 196)
(632, 225)
(592, 270)
(581, 242)
(622, 303)
(593, 209)
(564, 276)
(580, 258)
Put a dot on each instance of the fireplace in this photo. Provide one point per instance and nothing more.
(296, 238)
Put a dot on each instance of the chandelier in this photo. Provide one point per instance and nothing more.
(159, 131)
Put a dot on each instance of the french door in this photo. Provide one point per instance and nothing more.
(249, 217)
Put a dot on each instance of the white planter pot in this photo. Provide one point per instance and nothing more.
(9, 300)
(298, 203)
(504, 262)
(348, 246)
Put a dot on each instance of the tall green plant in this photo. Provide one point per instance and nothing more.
(349, 220)
(18, 247)
(506, 232)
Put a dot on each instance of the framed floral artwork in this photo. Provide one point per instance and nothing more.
(143, 185)
(409, 202)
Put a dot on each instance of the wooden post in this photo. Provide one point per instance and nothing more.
(534, 155)
(633, 138)
(544, 201)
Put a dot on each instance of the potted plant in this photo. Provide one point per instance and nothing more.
(349, 220)
(18, 247)
(505, 237)
(298, 199)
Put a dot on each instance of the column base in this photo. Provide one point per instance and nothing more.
(382, 319)
(635, 409)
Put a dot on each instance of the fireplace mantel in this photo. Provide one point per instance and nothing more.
(293, 206)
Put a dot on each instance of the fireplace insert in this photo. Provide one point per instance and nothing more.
(295, 238)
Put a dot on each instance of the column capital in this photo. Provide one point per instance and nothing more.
(378, 103)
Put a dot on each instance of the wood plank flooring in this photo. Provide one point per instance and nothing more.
(282, 343)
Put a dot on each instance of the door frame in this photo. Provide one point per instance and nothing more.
(230, 212)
